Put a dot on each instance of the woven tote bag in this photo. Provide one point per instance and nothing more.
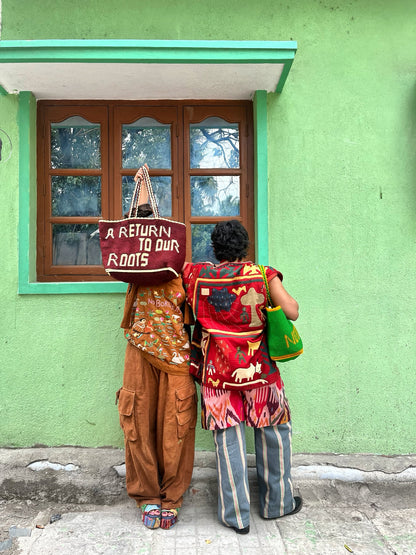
(145, 251)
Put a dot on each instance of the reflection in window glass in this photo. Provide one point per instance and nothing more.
(75, 143)
(162, 188)
(201, 243)
(215, 195)
(146, 141)
(214, 144)
(76, 195)
(75, 244)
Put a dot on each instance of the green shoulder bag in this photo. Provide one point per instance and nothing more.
(283, 340)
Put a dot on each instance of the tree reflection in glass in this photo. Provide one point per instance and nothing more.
(75, 143)
(76, 195)
(202, 250)
(215, 195)
(146, 141)
(214, 143)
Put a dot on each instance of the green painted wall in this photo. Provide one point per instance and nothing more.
(342, 228)
(342, 180)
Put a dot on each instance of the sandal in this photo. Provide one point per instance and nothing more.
(151, 515)
(169, 518)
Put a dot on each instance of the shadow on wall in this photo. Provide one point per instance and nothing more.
(6, 146)
(412, 136)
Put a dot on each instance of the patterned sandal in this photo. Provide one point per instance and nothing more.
(151, 516)
(169, 518)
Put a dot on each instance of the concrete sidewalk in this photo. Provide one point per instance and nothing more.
(352, 503)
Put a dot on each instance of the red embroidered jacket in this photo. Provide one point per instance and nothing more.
(229, 348)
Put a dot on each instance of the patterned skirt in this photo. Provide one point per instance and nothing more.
(258, 408)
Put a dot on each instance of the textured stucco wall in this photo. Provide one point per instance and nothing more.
(342, 227)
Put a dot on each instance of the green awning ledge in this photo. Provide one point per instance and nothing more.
(154, 69)
(135, 70)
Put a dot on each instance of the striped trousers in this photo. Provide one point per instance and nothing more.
(273, 445)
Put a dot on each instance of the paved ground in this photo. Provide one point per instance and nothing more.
(359, 504)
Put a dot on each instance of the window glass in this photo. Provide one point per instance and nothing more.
(201, 243)
(162, 188)
(215, 195)
(214, 143)
(146, 141)
(75, 244)
(76, 195)
(75, 143)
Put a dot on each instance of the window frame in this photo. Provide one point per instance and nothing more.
(112, 115)
(231, 112)
(28, 283)
(57, 112)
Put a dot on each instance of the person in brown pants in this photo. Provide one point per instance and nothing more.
(157, 403)
(157, 407)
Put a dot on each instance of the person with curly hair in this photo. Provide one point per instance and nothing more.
(240, 383)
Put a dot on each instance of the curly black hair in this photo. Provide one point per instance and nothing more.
(230, 240)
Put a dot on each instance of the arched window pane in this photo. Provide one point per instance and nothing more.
(146, 141)
(75, 143)
(215, 143)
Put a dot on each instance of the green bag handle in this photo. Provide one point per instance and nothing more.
(266, 283)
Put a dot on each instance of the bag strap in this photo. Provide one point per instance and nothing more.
(266, 283)
(136, 194)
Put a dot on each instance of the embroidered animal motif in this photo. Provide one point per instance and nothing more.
(214, 384)
(177, 359)
(241, 374)
(253, 346)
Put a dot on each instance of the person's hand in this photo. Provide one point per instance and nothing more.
(139, 174)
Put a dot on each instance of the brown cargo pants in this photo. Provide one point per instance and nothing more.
(158, 417)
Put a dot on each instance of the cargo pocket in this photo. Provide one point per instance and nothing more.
(126, 412)
(186, 409)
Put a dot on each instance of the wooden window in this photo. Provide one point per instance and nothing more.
(200, 159)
